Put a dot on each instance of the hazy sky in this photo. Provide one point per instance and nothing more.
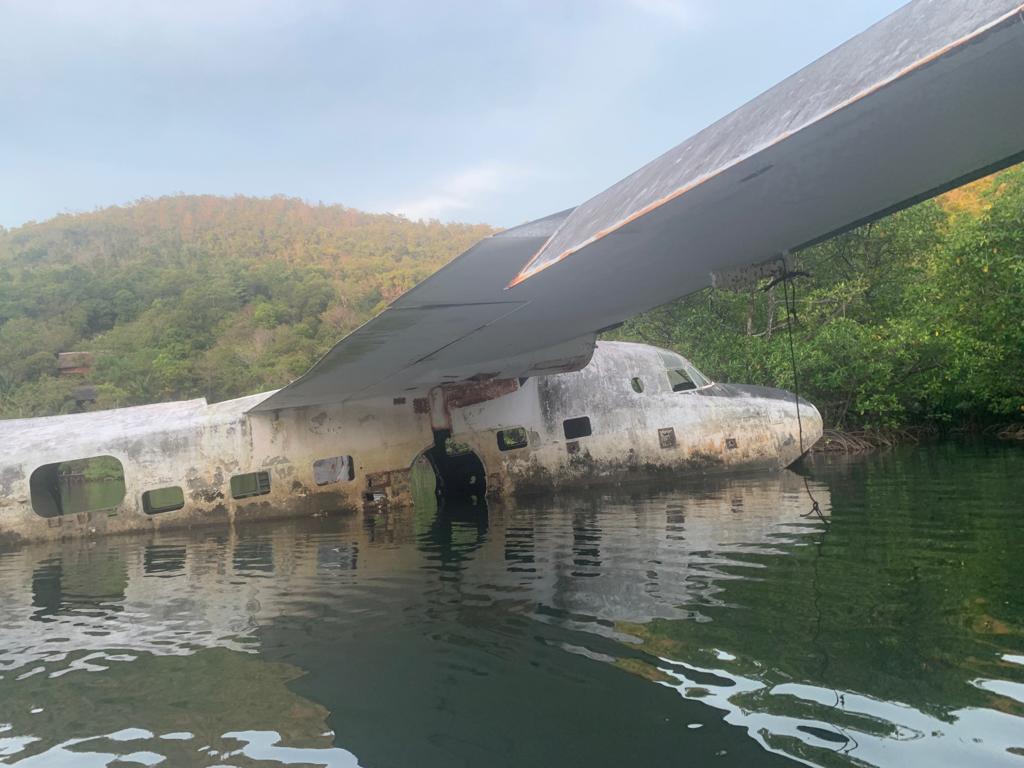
(473, 111)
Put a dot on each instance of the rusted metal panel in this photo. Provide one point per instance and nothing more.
(471, 393)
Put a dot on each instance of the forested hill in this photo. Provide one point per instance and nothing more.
(186, 295)
(915, 319)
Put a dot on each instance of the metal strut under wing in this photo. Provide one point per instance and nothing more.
(928, 98)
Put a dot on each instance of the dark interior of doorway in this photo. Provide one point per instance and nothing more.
(461, 478)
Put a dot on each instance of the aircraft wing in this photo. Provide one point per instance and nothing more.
(927, 99)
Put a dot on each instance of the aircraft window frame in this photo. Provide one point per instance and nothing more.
(48, 484)
(247, 485)
(156, 501)
(577, 427)
(512, 438)
(684, 372)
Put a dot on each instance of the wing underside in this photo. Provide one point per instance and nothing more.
(926, 99)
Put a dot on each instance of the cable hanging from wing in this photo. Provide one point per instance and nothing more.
(789, 291)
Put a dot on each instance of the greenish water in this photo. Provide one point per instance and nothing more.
(711, 624)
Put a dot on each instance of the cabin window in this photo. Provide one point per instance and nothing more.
(512, 438)
(163, 500)
(637, 384)
(81, 485)
(576, 428)
(338, 469)
(250, 484)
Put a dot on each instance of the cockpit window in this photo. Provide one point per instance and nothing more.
(680, 381)
(682, 375)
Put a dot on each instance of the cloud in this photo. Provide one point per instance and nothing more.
(461, 192)
(677, 12)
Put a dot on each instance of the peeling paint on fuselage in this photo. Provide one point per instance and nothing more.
(199, 447)
(716, 428)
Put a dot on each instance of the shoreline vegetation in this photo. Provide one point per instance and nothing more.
(863, 440)
(908, 328)
(905, 329)
(860, 441)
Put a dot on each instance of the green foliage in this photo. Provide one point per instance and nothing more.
(917, 318)
(190, 296)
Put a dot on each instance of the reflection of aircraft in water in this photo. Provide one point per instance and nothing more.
(581, 556)
(575, 553)
(494, 357)
(459, 616)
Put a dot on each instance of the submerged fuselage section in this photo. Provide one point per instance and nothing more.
(635, 413)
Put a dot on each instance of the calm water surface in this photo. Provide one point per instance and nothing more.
(709, 625)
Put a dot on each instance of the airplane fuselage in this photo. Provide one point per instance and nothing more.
(635, 413)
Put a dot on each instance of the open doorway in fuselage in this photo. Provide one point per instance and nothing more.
(460, 479)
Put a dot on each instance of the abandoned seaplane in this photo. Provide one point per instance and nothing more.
(491, 369)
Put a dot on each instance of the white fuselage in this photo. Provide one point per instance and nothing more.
(618, 420)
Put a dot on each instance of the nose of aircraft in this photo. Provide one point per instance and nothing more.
(808, 426)
(802, 428)
(810, 422)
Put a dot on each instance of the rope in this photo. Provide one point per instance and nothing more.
(788, 287)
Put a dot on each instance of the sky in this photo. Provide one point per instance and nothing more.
(463, 110)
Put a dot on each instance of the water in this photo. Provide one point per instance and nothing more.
(706, 625)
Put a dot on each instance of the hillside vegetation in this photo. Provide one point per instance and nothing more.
(915, 319)
(187, 296)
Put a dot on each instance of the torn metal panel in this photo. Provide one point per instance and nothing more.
(471, 393)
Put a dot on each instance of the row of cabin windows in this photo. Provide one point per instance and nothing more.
(517, 437)
(97, 484)
(513, 438)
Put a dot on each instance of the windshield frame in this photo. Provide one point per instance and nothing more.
(675, 363)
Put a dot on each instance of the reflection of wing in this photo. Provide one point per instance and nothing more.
(927, 98)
